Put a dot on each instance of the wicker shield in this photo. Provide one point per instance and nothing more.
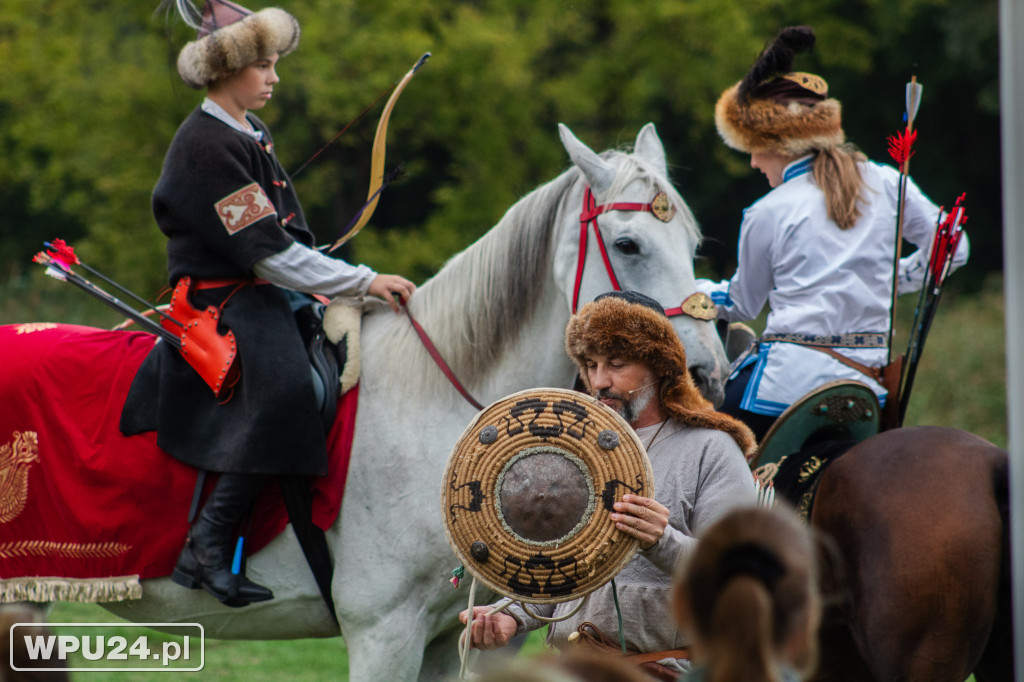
(528, 491)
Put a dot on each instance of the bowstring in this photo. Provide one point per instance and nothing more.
(342, 131)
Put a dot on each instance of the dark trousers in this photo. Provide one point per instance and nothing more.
(734, 389)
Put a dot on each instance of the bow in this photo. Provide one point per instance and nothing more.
(377, 163)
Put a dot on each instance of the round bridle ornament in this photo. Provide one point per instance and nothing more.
(700, 306)
(662, 208)
(528, 491)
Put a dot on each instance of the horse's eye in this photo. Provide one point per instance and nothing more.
(627, 246)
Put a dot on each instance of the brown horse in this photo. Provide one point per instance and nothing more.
(920, 519)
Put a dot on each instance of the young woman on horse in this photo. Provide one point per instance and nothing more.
(748, 598)
(238, 241)
(819, 247)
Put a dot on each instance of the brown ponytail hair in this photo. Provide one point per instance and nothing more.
(837, 174)
(748, 592)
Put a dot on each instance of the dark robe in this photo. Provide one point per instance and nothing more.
(225, 202)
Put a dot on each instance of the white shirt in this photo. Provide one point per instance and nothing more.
(821, 280)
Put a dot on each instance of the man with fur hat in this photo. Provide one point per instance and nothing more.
(238, 241)
(819, 247)
(631, 359)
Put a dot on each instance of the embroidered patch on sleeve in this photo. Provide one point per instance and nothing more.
(241, 209)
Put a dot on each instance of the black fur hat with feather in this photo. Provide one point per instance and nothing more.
(775, 110)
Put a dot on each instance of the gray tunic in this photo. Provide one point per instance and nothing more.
(698, 474)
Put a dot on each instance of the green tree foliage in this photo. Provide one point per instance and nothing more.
(90, 99)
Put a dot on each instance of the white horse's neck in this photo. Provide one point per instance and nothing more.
(495, 311)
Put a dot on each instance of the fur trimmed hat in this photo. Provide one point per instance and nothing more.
(773, 110)
(624, 325)
(232, 37)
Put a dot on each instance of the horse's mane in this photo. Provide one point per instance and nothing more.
(483, 296)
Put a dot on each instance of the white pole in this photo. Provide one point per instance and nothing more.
(1011, 78)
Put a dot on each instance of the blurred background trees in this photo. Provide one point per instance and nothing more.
(90, 98)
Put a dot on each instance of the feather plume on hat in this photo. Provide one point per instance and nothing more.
(618, 326)
(229, 38)
(774, 110)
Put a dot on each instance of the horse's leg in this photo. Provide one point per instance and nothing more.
(996, 664)
(441, 660)
(919, 527)
(14, 649)
(387, 645)
(839, 660)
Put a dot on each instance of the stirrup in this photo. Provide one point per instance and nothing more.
(850, 408)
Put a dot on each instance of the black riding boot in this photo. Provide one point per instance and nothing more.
(206, 559)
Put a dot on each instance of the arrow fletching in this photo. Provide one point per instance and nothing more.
(901, 147)
(914, 90)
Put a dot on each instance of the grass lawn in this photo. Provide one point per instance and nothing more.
(299, 660)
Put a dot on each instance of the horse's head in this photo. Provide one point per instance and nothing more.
(636, 232)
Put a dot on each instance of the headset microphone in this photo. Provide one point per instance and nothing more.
(635, 390)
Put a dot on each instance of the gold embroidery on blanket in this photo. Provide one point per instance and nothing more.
(73, 550)
(809, 468)
(15, 459)
(29, 327)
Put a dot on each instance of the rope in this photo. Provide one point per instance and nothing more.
(545, 619)
(465, 639)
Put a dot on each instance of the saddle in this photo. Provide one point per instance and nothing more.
(331, 334)
(811, 434)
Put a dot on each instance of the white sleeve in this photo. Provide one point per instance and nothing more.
(301, 268)
(742, 297)
(921, 218)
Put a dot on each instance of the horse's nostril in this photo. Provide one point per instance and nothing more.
(711, 389)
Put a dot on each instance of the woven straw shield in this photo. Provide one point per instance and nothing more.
(528, 492)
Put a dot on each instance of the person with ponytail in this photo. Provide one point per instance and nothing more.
(819, 247)
(748, 598)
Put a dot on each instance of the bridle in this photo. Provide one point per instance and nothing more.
(697, 305)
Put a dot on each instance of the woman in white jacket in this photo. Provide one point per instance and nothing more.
(818, 248)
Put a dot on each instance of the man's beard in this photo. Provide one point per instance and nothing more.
(630, 408)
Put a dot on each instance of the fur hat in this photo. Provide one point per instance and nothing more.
(620, 325)
(773, 110)
(232, 37)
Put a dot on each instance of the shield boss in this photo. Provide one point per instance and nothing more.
(543, 496)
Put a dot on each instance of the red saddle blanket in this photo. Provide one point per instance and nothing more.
(80, 500)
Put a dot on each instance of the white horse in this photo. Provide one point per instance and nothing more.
(497, 312)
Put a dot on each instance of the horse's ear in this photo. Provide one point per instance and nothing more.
(599, 173)
(649, 148)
